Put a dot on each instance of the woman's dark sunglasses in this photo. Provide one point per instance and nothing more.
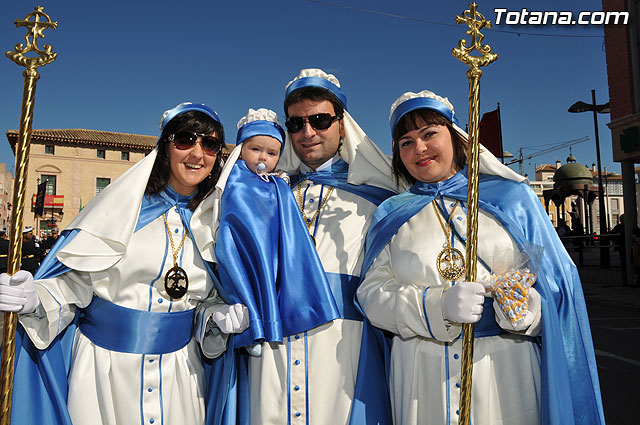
(184, 140)
(317, 121)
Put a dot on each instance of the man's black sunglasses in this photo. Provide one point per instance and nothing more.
(317, 121)
(184, 140)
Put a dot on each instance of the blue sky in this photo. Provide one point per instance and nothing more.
(122, 63)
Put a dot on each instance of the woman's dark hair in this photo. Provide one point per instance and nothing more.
(196, 122)
(316, 94)
(415, 120)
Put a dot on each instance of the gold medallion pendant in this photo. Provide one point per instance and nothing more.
(309, 221)
(450, 261)
(176, 282)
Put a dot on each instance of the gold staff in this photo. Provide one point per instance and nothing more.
(476, 22)
(35, 27)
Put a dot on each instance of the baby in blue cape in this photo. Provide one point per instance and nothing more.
(265, 255)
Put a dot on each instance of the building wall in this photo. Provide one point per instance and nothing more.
(618, 63)
(6, 195)
(76, 169)
(622, 45)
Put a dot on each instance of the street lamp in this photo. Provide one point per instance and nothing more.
(602, 109)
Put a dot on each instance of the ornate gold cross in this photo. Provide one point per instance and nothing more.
(476, 21)
(41, 21)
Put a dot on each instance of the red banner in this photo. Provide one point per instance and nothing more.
(491, 133)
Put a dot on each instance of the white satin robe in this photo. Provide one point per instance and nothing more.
(310, 377)
(401, 293)
(112, 388)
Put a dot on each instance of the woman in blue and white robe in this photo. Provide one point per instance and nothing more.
(540, 371)
(134, 354)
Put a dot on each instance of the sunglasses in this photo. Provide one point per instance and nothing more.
(316, 121)
(184, 140)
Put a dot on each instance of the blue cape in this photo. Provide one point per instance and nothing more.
(267, 261)
(40, 376)
(570, 389)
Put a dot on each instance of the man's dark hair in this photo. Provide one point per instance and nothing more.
(196, 122)
(316, 94)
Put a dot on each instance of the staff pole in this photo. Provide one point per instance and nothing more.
(35, 27)
(476, 22)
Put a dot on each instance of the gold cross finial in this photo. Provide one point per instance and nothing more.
(476, 22)
(40, 22)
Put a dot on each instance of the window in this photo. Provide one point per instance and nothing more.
(51, 184)
(101, 153)
(614, 204)
(101, 183)
(124, 156)
(49, 150)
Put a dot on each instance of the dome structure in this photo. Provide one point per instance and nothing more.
(572, 173)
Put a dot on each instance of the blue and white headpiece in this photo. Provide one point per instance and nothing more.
(261, 122)
(425, 99)
(314, 77)
(185, 107)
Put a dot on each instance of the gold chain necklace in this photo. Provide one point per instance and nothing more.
(450, 262)
(176, 281)
(315, 216)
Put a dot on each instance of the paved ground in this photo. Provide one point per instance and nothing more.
(605, 285)
(614, 315)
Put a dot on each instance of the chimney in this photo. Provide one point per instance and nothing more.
(593, 167)
(558, 163)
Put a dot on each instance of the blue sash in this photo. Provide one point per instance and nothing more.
(126, 330)
(343, 287)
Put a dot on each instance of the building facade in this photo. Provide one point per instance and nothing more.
(6, 196)
(76, 165)
(622, 47)
(572, 207)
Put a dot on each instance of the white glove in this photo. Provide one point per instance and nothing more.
(232, 319)
(534, 309)
(462, 303)
(17, 293)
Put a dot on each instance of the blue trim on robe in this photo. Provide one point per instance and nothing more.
(267, 261)
(40, 376)
(570, 389)
(336, 176)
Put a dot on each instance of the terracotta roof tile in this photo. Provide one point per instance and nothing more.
(93, 137)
